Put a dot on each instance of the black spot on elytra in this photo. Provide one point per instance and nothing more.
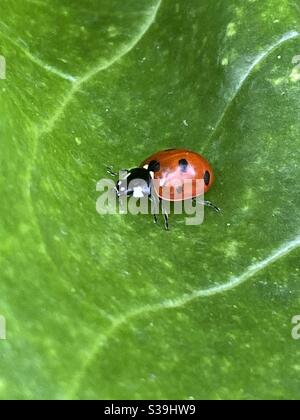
(207, 178)
(183, 163)
(154, 166)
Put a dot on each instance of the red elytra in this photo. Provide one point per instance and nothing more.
(176, 172)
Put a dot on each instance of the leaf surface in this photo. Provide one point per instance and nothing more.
(113, 307)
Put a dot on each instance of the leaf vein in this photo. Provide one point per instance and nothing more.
(180, 302)
(258, 60)
(76, 86)
(50, 124)
(37, 60)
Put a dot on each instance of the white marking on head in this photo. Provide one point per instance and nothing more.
(146, 167)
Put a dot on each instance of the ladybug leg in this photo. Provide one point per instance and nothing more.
(166, 218)
(154, 208)
(166, 215)
(208, 204)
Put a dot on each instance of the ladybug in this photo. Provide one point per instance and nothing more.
(173, 173)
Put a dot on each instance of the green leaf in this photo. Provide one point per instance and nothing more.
(113, 307)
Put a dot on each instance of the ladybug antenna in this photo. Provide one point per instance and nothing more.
(110, 171)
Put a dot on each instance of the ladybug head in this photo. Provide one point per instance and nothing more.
(134, 183)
